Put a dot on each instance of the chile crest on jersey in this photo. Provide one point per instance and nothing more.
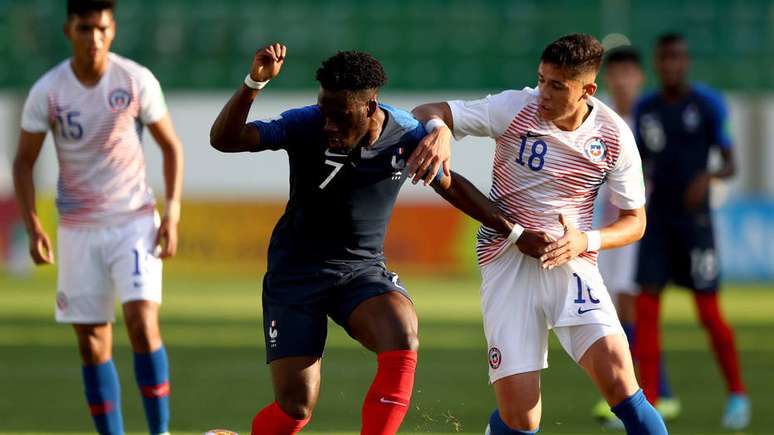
(119, 99)
(595, 149)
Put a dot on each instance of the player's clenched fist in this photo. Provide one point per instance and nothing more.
(267, 62)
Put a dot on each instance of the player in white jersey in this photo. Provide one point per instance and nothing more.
(556, 146)
(110, 239)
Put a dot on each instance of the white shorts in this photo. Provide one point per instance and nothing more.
(521, 301)
(619, 269)
(96, 264)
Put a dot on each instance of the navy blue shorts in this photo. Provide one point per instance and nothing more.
(681, 249)
(296, 306)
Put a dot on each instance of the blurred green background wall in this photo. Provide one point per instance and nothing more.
(433, 44)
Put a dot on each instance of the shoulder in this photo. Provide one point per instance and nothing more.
(647, 100)
(303, 121)
(510, 102)
(404, 119)
(306, 114)
(50, 78)
(131, 68)
(708, 97)
(409, 127)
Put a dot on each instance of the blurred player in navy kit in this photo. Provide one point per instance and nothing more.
(623, 78)
(676, 127)
(347, 158)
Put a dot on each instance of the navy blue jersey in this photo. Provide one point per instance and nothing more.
(339, 204)
(675, 139)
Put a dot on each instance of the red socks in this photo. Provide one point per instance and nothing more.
(647, 343)
(272, 420)
(722, 339)
(388, 398)
(385, 404)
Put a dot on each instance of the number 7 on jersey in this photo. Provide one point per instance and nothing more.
(336, 168)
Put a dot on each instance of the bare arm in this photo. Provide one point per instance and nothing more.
(434, 151)
(229, 132)
(172, 151)
(628, 228)
(27, 154)
(426, 112)
(699, 187)
(463, 195)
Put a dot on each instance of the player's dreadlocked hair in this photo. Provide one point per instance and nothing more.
(577, 53)
(351, 71)
(83, 7)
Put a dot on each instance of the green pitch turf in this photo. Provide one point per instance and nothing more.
(213, 335)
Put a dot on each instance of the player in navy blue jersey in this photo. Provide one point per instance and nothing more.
(347, 158)
(676, 128)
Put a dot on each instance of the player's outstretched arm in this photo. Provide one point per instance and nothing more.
(229, 132)
(434, 150)
(463, 195)
(26, 156)
(172, 151)
(628, 228)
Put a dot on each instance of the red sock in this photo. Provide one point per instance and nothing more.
(272, 420)
(388, 398)
(722, 339)
(647, 343)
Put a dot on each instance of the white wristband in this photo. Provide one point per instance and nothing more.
(594, 240)
(433, 124)
(515, 233)
(252, 84)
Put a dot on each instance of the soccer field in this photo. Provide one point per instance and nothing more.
(213, 335)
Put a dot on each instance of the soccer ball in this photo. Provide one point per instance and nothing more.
(220, 432)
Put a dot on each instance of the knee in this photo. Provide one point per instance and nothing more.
(143, 333)
(409, 340)
(94, 349)
(298, 405)
(400, 337)
(521, 420)
(618, 391)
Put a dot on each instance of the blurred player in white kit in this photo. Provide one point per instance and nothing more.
(111, 241)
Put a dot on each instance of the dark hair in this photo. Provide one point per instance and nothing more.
(351, 71)
(578, 53)
(669, 38)
(626, 54)
(83, 7)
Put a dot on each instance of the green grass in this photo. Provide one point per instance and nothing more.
(213, 335)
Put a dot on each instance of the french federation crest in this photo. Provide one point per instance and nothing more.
(119, 99)
(595, 150)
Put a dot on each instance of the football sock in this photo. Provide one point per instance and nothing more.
(387, 401)
(498, 427)
(647, 343)
(663, 381)
(103, 394)
(152, 374)
(639, 416)
(722, 339)
(272, 420)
